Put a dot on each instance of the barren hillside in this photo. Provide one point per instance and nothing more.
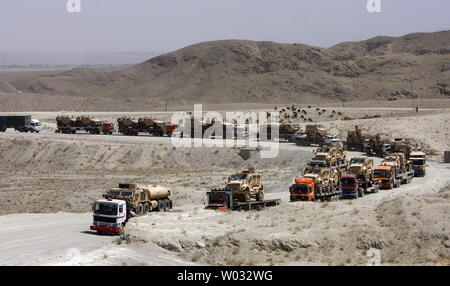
(241, 71)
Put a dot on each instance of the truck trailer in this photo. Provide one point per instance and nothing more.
(222, 199)
(22, 123)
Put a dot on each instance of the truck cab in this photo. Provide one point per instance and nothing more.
(35, 125)
(219, 199)
(302, 189)
(385, 173)
(418, 163)
(110, 216)
(350, 186)
(108, 128)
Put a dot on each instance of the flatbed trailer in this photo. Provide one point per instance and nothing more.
(308, 141)
(73, 130)
(336, 195)
(219, 199)
(405, 177)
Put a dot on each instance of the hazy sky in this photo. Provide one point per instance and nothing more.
(164, 25)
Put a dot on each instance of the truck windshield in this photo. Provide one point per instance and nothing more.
(217, 199)
(418, 161)
(381, 173)
(317, 164)
(354, 169)
(300, 189)
(105, 208)
(348, 181)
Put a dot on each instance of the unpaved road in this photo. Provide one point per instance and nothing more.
(65, 239)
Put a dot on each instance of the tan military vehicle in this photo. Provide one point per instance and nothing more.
(356, 138)
(332, 156)
(399, 161)
(326, 180)
(246, 185)
(314, 134)
(64, 120)
(341, 155)
(142, 198)
(362, 167)
(327, 155)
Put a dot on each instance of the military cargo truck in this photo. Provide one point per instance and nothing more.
(246, 185)
(317, 184)
(132, 127)
(394, 171)
(223, 199)
(356, 138)
(128, 200)
(377, 145)
(358, 179)
(68, 125)
(313, 135)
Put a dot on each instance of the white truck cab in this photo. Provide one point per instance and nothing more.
(35, 125)
(110, 216)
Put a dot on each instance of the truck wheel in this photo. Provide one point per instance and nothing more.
(361, 194)
(166, 205)
(160, 207)
(146, 208)
(140, 209)
(260, 196)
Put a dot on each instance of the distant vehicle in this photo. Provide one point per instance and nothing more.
(108, 128)
(67, 125)
(22, 123)
(35, 126)
(419, 163)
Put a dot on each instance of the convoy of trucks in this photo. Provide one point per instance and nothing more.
(328, 176)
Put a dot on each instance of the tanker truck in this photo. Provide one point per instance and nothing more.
(128, 200)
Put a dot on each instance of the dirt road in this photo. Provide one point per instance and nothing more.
(65, 239)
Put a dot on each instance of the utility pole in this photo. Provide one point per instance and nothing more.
(412, 92)
(166, 103)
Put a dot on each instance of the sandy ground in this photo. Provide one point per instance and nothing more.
(48, 181)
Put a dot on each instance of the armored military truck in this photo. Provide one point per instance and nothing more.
(246, 185)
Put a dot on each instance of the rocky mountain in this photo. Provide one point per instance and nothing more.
(239, 71)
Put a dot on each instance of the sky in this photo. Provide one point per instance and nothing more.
(44, 31)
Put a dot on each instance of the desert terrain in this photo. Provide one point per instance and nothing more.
(48, 182)
(380, 69)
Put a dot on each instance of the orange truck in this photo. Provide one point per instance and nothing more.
(305, 189)
(391, 176)
(108, 128)
(170, 129)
